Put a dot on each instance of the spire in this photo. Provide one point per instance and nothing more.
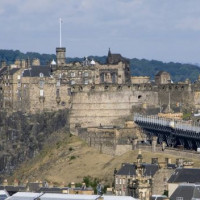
(109, 52)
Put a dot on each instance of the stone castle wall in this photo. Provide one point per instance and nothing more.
(107, 105)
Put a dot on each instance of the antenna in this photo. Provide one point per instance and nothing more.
(60, 20)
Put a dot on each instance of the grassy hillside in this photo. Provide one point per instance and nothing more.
(66, 159)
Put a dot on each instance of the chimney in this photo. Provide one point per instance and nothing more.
(72, 185)
(5, 182)
(23, 63)
(179, 162)
(15, 183)
(40, 184)
(18, 62)
(36, 62)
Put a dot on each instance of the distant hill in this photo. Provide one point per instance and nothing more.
(143, 67)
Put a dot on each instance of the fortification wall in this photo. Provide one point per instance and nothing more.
(108, 105)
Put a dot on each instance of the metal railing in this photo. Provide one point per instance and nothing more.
(175, 124)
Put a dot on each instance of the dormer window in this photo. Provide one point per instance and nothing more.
(41, 75)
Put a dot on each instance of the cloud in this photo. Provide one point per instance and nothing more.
(125, 24)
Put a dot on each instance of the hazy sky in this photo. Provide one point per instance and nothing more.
(167, 30)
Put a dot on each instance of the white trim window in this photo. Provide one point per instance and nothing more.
(41, 93)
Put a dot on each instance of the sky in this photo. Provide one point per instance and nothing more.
(165, 30)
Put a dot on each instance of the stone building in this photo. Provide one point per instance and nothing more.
(135, 179)
(94, 93)
(162, 78)
(30, 87)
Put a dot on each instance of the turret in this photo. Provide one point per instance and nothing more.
(60, 56)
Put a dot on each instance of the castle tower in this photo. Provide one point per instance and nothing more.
(60, 56)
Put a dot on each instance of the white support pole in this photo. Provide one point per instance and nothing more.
(60, 32)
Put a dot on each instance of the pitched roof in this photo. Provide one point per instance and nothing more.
(3, 70)
(161, 72)
(12, 71)
(52, 190)
(187, 191)
(188, 175)
(35, 71)
(130, 169)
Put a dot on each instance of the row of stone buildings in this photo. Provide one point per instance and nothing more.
(161, 180)
(31, 87)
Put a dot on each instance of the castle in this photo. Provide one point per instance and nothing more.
(94, 93)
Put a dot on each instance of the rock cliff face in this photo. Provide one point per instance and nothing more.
(23, 136)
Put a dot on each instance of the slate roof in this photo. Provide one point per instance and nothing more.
(185, 175)
(35, 71)
(52, 190)
(12, 189)
(12, 71)
(130, 169)
(187, 191)
(3, 70)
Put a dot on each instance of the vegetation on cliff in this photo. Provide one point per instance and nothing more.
(143, 67)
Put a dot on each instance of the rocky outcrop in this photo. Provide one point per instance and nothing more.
(22, 136)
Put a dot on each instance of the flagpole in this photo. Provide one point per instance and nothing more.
(60, 32)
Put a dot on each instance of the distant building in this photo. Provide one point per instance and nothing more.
(135, 179)
(186, 191)
(183, 175)
(162, 78)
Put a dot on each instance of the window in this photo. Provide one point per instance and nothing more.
(41, 75)
(86, 81)
(18, 77)
(72, 74)
(41, 93)
(18, 84)
(41, 84)
(113, 75)
(86, 74)
(102, 77)
(69, 91)
(120, 181)
(57, 93)
(58, 84)
(116, 180)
